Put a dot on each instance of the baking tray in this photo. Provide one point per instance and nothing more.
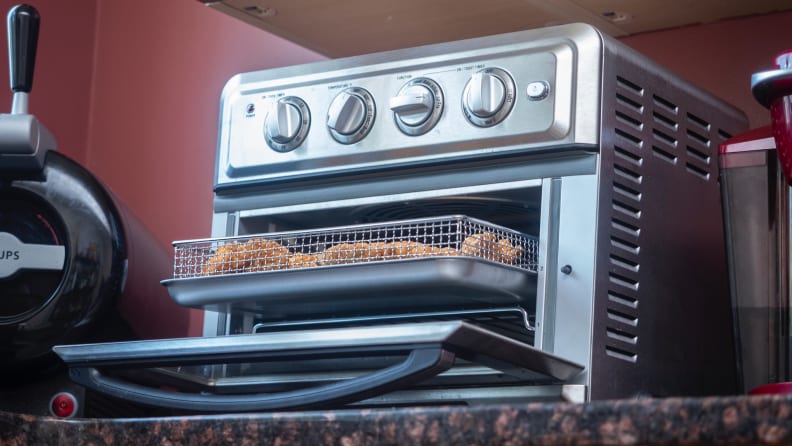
(418, 284)
(426, 264)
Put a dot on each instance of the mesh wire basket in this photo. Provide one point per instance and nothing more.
(450, 236)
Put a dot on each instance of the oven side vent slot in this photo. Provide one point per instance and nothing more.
(651, 131)
(683, 139)
(637, 123)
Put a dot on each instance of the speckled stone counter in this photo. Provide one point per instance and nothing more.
(738, 420)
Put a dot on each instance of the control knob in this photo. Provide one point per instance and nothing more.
(417, 106)
(351, 115)
(287, 123)
(488, 97)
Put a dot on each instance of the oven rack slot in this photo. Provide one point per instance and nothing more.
(514, 323)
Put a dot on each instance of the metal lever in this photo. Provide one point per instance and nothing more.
(23, 32)
(24, 141)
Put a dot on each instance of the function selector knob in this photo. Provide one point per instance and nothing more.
(417, 106)
(488, 97)
(351, 115)
(287, 123)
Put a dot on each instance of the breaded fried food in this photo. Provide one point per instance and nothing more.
(344, 253)
(484, 245)
(225, 260)
(301, 260)
(405, 249)
(509, 253)
(487, 245)
(258, 254)
(265, 255)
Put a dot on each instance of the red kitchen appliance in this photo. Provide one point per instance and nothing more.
(773, 89)
(756, 167)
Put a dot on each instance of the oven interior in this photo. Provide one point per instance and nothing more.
(519, 207)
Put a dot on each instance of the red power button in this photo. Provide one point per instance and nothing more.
(63, 405)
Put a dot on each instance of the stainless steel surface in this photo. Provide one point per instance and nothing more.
(419, 341)
(430, 263)
(351, 115)
(563, 57)
(143, 352)
(498, 395)
(392, 241)
(420, 284)
(286, 124)
(418, 106)
(488, 97)
(610, 165)
(439, 394)
(465, 339)
(767, 86)
(512, 322)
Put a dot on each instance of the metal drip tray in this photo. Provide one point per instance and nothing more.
(407, 285)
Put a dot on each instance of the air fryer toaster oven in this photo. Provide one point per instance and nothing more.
(595, 164)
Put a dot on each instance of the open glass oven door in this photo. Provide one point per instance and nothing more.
(168, 373)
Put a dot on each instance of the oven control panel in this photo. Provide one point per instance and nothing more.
(418, 106)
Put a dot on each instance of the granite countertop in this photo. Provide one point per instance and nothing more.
(732, 420)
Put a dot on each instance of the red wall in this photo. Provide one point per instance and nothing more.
(160, 68)
(721, 57)
(60, 98)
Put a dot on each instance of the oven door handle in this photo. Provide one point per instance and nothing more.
(421, 363)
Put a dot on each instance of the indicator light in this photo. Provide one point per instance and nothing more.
(63, 405)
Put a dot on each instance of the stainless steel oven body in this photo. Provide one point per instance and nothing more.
(606, 159)
(614, 169)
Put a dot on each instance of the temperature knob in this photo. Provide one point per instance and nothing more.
(418, 106)
(351, 115)
(488, 97)
(287, 123)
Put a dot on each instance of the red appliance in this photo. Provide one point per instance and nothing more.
(756, 168)
(773, 89)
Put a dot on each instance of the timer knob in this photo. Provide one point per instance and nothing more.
(488, 97)
(286, 124)
(417, 106)
(351, 115)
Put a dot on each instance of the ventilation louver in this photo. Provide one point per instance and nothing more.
(647, 124)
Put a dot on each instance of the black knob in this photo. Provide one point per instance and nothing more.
(23, 31)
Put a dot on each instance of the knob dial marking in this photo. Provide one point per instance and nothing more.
(417, 106)
(488, 97)
(286, 125)
(351, 115)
